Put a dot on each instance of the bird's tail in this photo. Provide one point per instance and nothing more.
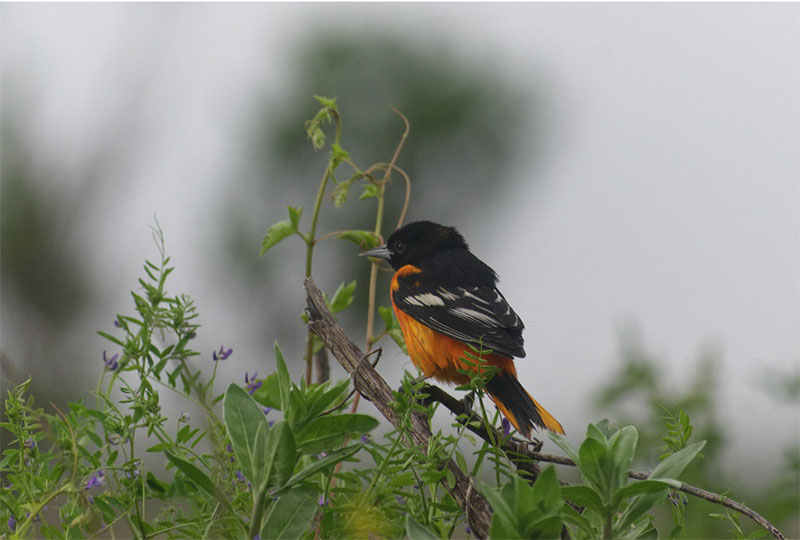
(518, 405)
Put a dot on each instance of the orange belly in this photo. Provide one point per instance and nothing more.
(440, 356)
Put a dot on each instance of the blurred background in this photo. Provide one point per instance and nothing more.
(629, 170)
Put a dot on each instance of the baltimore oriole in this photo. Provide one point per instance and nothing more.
(445, 300)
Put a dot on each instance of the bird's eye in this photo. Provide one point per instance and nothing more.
(399, 247)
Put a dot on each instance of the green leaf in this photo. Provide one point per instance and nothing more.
(418, 531)
(328, 103)
(329, 431)
(340, 192)
(269, 394)
(275, 234)
(623, 448)
(243, 417)
(668, 469)
(324, 396)
(363, 239)
(284, 382)
(673, 465)
(644, 487)
(343, 297)
(583, 496)
(291, 515)
(564, 445)
(280, 455)
(522, 511)
(322, 464)
(294, 215)
(370, 190)
(594, 465)
(200, 479)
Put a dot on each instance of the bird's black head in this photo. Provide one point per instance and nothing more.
(415, 241)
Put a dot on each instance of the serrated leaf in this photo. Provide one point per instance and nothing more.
(343, 297)
(275, 234)
(370, 190)
(340, 193)
(363, 239)
(329, 103)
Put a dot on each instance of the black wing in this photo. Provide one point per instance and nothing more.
(471, 314)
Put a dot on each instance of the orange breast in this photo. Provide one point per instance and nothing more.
(438, 355)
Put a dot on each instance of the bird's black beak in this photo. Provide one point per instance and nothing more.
(380, 252)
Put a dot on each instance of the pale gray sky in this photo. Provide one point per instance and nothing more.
(669, 196)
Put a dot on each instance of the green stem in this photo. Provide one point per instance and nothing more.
(258, 512)
(311, 240)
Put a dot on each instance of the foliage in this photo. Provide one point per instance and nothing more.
(276, 458)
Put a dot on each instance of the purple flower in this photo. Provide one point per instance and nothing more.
(266, 410)
(271, 423)
(222, 354)
(230, 448)
(114, 439)
(506, 427)
(29, 444)
(117, 323)
(321, 501)
(184, 417)
(111, 363)
(256, 537)
(95, 480)
(240, 476)
(251, 382)
(12, 523)
(468, 530)
(91, 499)
(365, 438)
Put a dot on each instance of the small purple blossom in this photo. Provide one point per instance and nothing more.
(256, 537)
(321, 500)
(12, 524)
(29, 444)
(506, 427)
(222, 354)
(365, 438)
(117, 323)
(91, 499)
(114, 439)
(240, 476)
(111, 363)
(271, 423)
(251, 382)
(95, 480)
(468, 530)
(184, 417)
(266, 409)
(229, 448)
(133, 476)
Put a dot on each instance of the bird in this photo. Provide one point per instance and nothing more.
(448, 305)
